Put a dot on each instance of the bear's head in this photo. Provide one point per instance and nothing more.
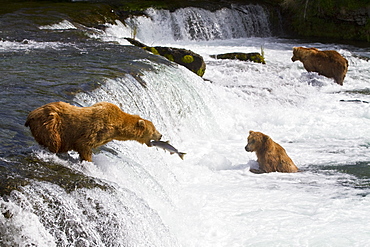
(147, 132)
(296, 55)
(301, 53)
(256, 141)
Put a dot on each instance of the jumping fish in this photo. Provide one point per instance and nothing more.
(166, 146)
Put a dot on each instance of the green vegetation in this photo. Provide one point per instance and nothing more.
(253, 56)
(169, 57)
(187, 59)
(201, 72)
(152, 50)
(48, 12)
(340, 19)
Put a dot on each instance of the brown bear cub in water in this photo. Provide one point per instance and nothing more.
(271, 157)
(62, 127)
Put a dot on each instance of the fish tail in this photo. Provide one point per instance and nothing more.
(181, 155)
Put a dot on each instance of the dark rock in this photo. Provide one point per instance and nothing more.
(253, 57)
(187, 58)
(359, 16)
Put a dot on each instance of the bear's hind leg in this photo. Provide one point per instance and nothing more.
(339, 80)
(85, 154)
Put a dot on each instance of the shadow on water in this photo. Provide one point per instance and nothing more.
(358, 174)
(359, 169)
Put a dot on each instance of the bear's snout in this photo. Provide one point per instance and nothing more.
(157, 136)
(247, 149)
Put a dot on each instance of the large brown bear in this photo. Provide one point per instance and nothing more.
(327, 63)
(61, 127)
(271, 157)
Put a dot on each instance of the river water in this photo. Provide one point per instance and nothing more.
(132, 195)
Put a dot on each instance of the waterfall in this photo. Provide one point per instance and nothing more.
(44, 214)
(173, 98)
(200, 24)
(118, 205)
(132, 195)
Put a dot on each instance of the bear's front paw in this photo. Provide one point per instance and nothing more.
(256, 171)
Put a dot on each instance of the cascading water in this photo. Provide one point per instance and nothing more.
(44, 214)
(132, 195)
(167, 98)
(200, 24)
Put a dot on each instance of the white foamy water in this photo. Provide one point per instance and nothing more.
(211, 198)
(25, 45)
(193, 24)
(63, 25)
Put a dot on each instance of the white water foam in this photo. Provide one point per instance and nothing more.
(63, 25)
(211, 198)
(108, 215)
(192, 24)
(25, 45)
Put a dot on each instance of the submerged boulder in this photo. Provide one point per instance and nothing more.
(253, 57)
(187, 58)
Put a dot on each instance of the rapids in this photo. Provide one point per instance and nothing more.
(132, 195)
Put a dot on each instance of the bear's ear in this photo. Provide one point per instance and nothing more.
(266, 138)
(251, 132)
(141, 123)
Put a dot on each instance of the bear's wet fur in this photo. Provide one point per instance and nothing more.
(62, 127)
(327, 63)
(271, 157)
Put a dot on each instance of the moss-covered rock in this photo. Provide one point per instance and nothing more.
(186, 58)
(169, 57)
(253, 57)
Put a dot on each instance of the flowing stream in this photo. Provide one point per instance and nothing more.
(132, 195)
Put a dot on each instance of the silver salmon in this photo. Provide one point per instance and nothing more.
(166, 146)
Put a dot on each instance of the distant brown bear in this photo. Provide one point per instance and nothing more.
(62, 127)
(327, 63)
(271, 157)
